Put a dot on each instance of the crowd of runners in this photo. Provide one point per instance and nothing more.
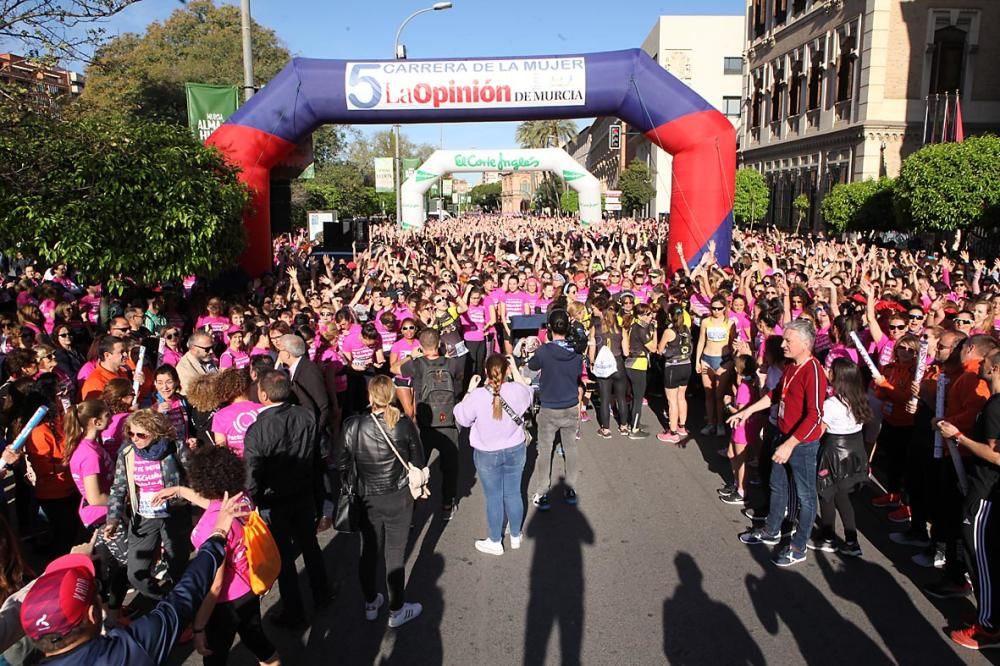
(179, 420)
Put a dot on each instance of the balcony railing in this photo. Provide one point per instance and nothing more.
(843, 110)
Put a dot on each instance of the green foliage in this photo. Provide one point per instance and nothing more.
(570, 201)
(860, 206)
(117, 197)
(57, 28)
(538, 133)
(339, 187)
(548, 193)
(950, 186)
(486, 196)
(362, 150)
(752, 197)
(636, 186)
(199, 42)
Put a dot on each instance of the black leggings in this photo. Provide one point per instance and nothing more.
(637, 380)
(239, 616)
(64, 522)
(829, 506)
(616, 385)
(477, 355)
(385, 526)
(893, 442)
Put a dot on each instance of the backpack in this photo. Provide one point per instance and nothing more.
(263, 558)
(436, 401)
(605, 364)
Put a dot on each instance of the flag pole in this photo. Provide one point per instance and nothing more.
(927, 115)
(944, 120)
(937, 105)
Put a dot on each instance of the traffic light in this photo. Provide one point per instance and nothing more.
(615, 137)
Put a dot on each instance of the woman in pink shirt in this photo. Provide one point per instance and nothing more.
(117, 397)
(230, 423)
(235, 355)
(230, 607)
(495, 412)
(476, 320)
(172, 353)
(401, 352)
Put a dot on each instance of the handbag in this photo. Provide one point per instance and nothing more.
(347, 517)
(604, 364)
(418, 478)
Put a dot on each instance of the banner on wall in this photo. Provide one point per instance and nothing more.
(209, 106)
(384, 168)
(446, 187)
(465, 84)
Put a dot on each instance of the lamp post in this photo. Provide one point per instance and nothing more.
(248, 87)
(399, 53)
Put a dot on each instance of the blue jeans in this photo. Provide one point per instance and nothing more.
(802, 464)
(500, 474)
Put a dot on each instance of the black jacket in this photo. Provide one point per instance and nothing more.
(310, 389)
(282, 455)
(379, 471)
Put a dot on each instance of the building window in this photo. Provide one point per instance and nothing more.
(776, 92)
(759, 13)
(798, 6)
(795, 90)
(780, 11)
(815, 81)
(732, 65)
(758, 100)
(731, 107)
(845, 70)
(948, 60)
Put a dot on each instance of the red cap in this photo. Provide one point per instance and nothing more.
(579, 276)
(60, 598)
(859, 298)
(351, 265)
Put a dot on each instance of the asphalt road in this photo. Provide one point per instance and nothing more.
(647, 569)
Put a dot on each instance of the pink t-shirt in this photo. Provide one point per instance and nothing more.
(234, 359)
(840, 351)
(404, 349)
(362, 356)
(217, 326)
(149, 481)
(743, 395)
(333, 364)
(176, 414)
(233, 421)
(474, 322)
(114, 434)
(388, 337)
(514, 303)
(171, 357)
(236, 571)
(90, 459)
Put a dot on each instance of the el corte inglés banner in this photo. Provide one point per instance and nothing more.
(465, 84)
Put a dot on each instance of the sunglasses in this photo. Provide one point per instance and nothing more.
(170, 336)
(325, 314)
(897, 327)
(120, 328)
(716, 308)
(139, 435)
(409, 328)
(963, 321)
(64, 335)
(916, 317)
(202, 347)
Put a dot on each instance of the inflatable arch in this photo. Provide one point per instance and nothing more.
(442, 162)
(629, 84)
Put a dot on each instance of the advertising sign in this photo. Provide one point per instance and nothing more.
(465, 84)
(384, 180)
(410, 165)
(446, 187)
(316, 220)
(209, 106)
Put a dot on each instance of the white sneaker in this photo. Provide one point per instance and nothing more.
(515, 542)
(371, 610)
(489, 547)
(405, 614)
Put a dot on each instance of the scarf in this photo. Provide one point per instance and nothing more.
(156, 451)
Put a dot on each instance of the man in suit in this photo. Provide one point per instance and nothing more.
(309, 387)
(281, 456)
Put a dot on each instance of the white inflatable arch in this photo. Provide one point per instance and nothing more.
(443, 162)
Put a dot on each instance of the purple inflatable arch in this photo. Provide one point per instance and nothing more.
(308, 93)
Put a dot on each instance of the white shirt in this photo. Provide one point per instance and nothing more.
(838, 418)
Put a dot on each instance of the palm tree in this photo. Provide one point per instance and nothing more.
(536, 133)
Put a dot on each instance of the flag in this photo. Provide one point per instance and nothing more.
(944, 123)
(384, 174)
(959, 127)
(209, 106)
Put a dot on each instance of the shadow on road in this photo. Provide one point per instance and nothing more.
(700, 630)
(557, 583)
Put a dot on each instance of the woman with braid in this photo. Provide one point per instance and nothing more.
(495, 414)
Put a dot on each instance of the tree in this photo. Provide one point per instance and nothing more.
(752, 197)
(570, 202)
(548, 194)
(537, 133)
(330, 143)
(950, 186)
(61, 28)
(145, 74)
(117, 197)
(486, 196)
(636, 186)
(860, 206)
(362, 150)
(801, 205)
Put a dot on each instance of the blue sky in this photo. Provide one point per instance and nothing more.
(349, 29)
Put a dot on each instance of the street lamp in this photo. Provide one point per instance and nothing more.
(399, 53)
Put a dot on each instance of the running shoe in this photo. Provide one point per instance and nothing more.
(682, 431)
(930, 560)
(604, 433)
(726, 489)
(637, 433)
(371, 610)
(709, 429)
(669, 437)
(887, 500)
(976, 637)
(755, 515)
(734, 497)
(489, 547)
(515, 542)
(584, 416)
(850, 549)
(408, 612)
(720, 430)
(900, 515)
(788, 557)
(754, 536)
(825, 545)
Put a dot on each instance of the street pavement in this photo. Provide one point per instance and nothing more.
(647, 569)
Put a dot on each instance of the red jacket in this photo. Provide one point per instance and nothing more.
(800, 395)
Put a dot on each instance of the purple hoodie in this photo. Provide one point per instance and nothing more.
(489, 434)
